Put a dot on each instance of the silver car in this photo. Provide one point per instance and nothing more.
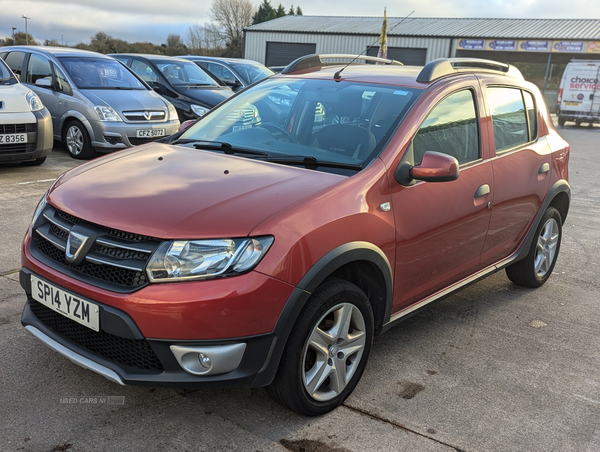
(96, 103)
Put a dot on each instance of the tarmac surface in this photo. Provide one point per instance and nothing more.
(495, 367)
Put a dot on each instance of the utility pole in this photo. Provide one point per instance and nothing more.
(26, 33)
(14, 42)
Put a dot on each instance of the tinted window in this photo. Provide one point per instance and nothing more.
(100, 73)
(145, 72)
(221, 72)
(62, 82)
(180, 73)
(508, 117)
(37, 68)
(251, 72)
(6, 77)
(450, 128)
(15, 61)
(531, 115)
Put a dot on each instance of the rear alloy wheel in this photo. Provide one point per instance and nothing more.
(77, 141)
(327, 350)
(537, 267)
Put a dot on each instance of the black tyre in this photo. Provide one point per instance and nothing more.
(537, 267)
(327, 350)
(35, 162)
(77, 141)
(561, 122)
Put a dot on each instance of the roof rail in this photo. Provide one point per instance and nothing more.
(315, 60)
(446, 66)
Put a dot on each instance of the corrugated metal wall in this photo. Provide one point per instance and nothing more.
(256, 43)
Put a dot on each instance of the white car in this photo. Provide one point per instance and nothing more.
(25, 124)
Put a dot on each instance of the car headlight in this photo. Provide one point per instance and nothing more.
(173, 113)
(106, 113)
(40, 208)
(181, 260)
(198, 110)
(35, 103)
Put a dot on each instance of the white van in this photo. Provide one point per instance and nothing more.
(579, 93)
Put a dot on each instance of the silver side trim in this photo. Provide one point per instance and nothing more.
(97, 260)
(465, 282)
(57, 223)
(115, 244)
(76, 358)
(42, 233)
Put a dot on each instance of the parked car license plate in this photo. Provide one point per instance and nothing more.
(572, 104)
(66, 303)
(151, 133)
(13, 138)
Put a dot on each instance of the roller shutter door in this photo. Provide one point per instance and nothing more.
(408, 57)
(283, 53)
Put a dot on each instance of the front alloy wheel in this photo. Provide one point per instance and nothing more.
(333, 352)
(77, 141)
(327, 350)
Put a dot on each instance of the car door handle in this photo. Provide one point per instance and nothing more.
(544, 168)
(482, 191)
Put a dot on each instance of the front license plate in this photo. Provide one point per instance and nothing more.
(13, 138)
(572, 104)
(66, 303)
(150, 133)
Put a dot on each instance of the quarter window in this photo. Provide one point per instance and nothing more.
(61, 81)
(450, 128)
(514, 125)
(14, 60)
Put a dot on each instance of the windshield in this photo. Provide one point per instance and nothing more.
(181, 73)
(6, 76)
(252, 72)
(348, 123)
(100, 73)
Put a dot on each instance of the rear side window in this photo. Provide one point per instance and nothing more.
(451, 128)
(514, 123)
(37, 68)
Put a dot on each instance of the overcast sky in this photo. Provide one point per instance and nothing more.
(74, 21)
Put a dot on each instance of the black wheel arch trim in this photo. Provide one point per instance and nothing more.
(328, 264)
(561, 186)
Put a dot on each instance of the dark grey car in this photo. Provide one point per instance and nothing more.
(96, 103)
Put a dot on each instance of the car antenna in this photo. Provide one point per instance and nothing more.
(338, 75)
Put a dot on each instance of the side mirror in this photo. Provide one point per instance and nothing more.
(43, 83)
(232, 81)
(434, 167)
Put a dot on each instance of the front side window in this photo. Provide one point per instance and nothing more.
(221, 72)
(100, 73)
(307, 120)
(185, 74)
(37, 68)
(451, 128)
(6, 76)
(62, 82)
(14, 60)
(514, 124)
(145, 72)
(252, 72)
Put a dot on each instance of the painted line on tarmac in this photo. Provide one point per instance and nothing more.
(35, 181)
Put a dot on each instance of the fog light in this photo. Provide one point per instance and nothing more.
(204, 360)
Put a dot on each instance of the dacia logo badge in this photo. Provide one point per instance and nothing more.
(147, 115)
(75, 244)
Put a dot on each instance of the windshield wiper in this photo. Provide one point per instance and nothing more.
(313, 163)
(222, 146)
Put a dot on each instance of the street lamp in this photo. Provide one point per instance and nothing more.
(14, 42)
(26, 33)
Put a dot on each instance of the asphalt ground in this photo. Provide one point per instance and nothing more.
(495, 367)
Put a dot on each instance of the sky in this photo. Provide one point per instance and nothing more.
(74, 21)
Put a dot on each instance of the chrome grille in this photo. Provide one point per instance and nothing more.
(116, 260)
(145, 116)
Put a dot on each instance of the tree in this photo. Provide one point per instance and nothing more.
(52, 43)
(298, 11)
(291, 11)
(232, 16)
(264, 13)
(204, 39)
(280, 11)
(101, 42)
(175, 45)
(20, 40)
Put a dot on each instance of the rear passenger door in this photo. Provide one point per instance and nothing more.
(441, 226)
(521, 165)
